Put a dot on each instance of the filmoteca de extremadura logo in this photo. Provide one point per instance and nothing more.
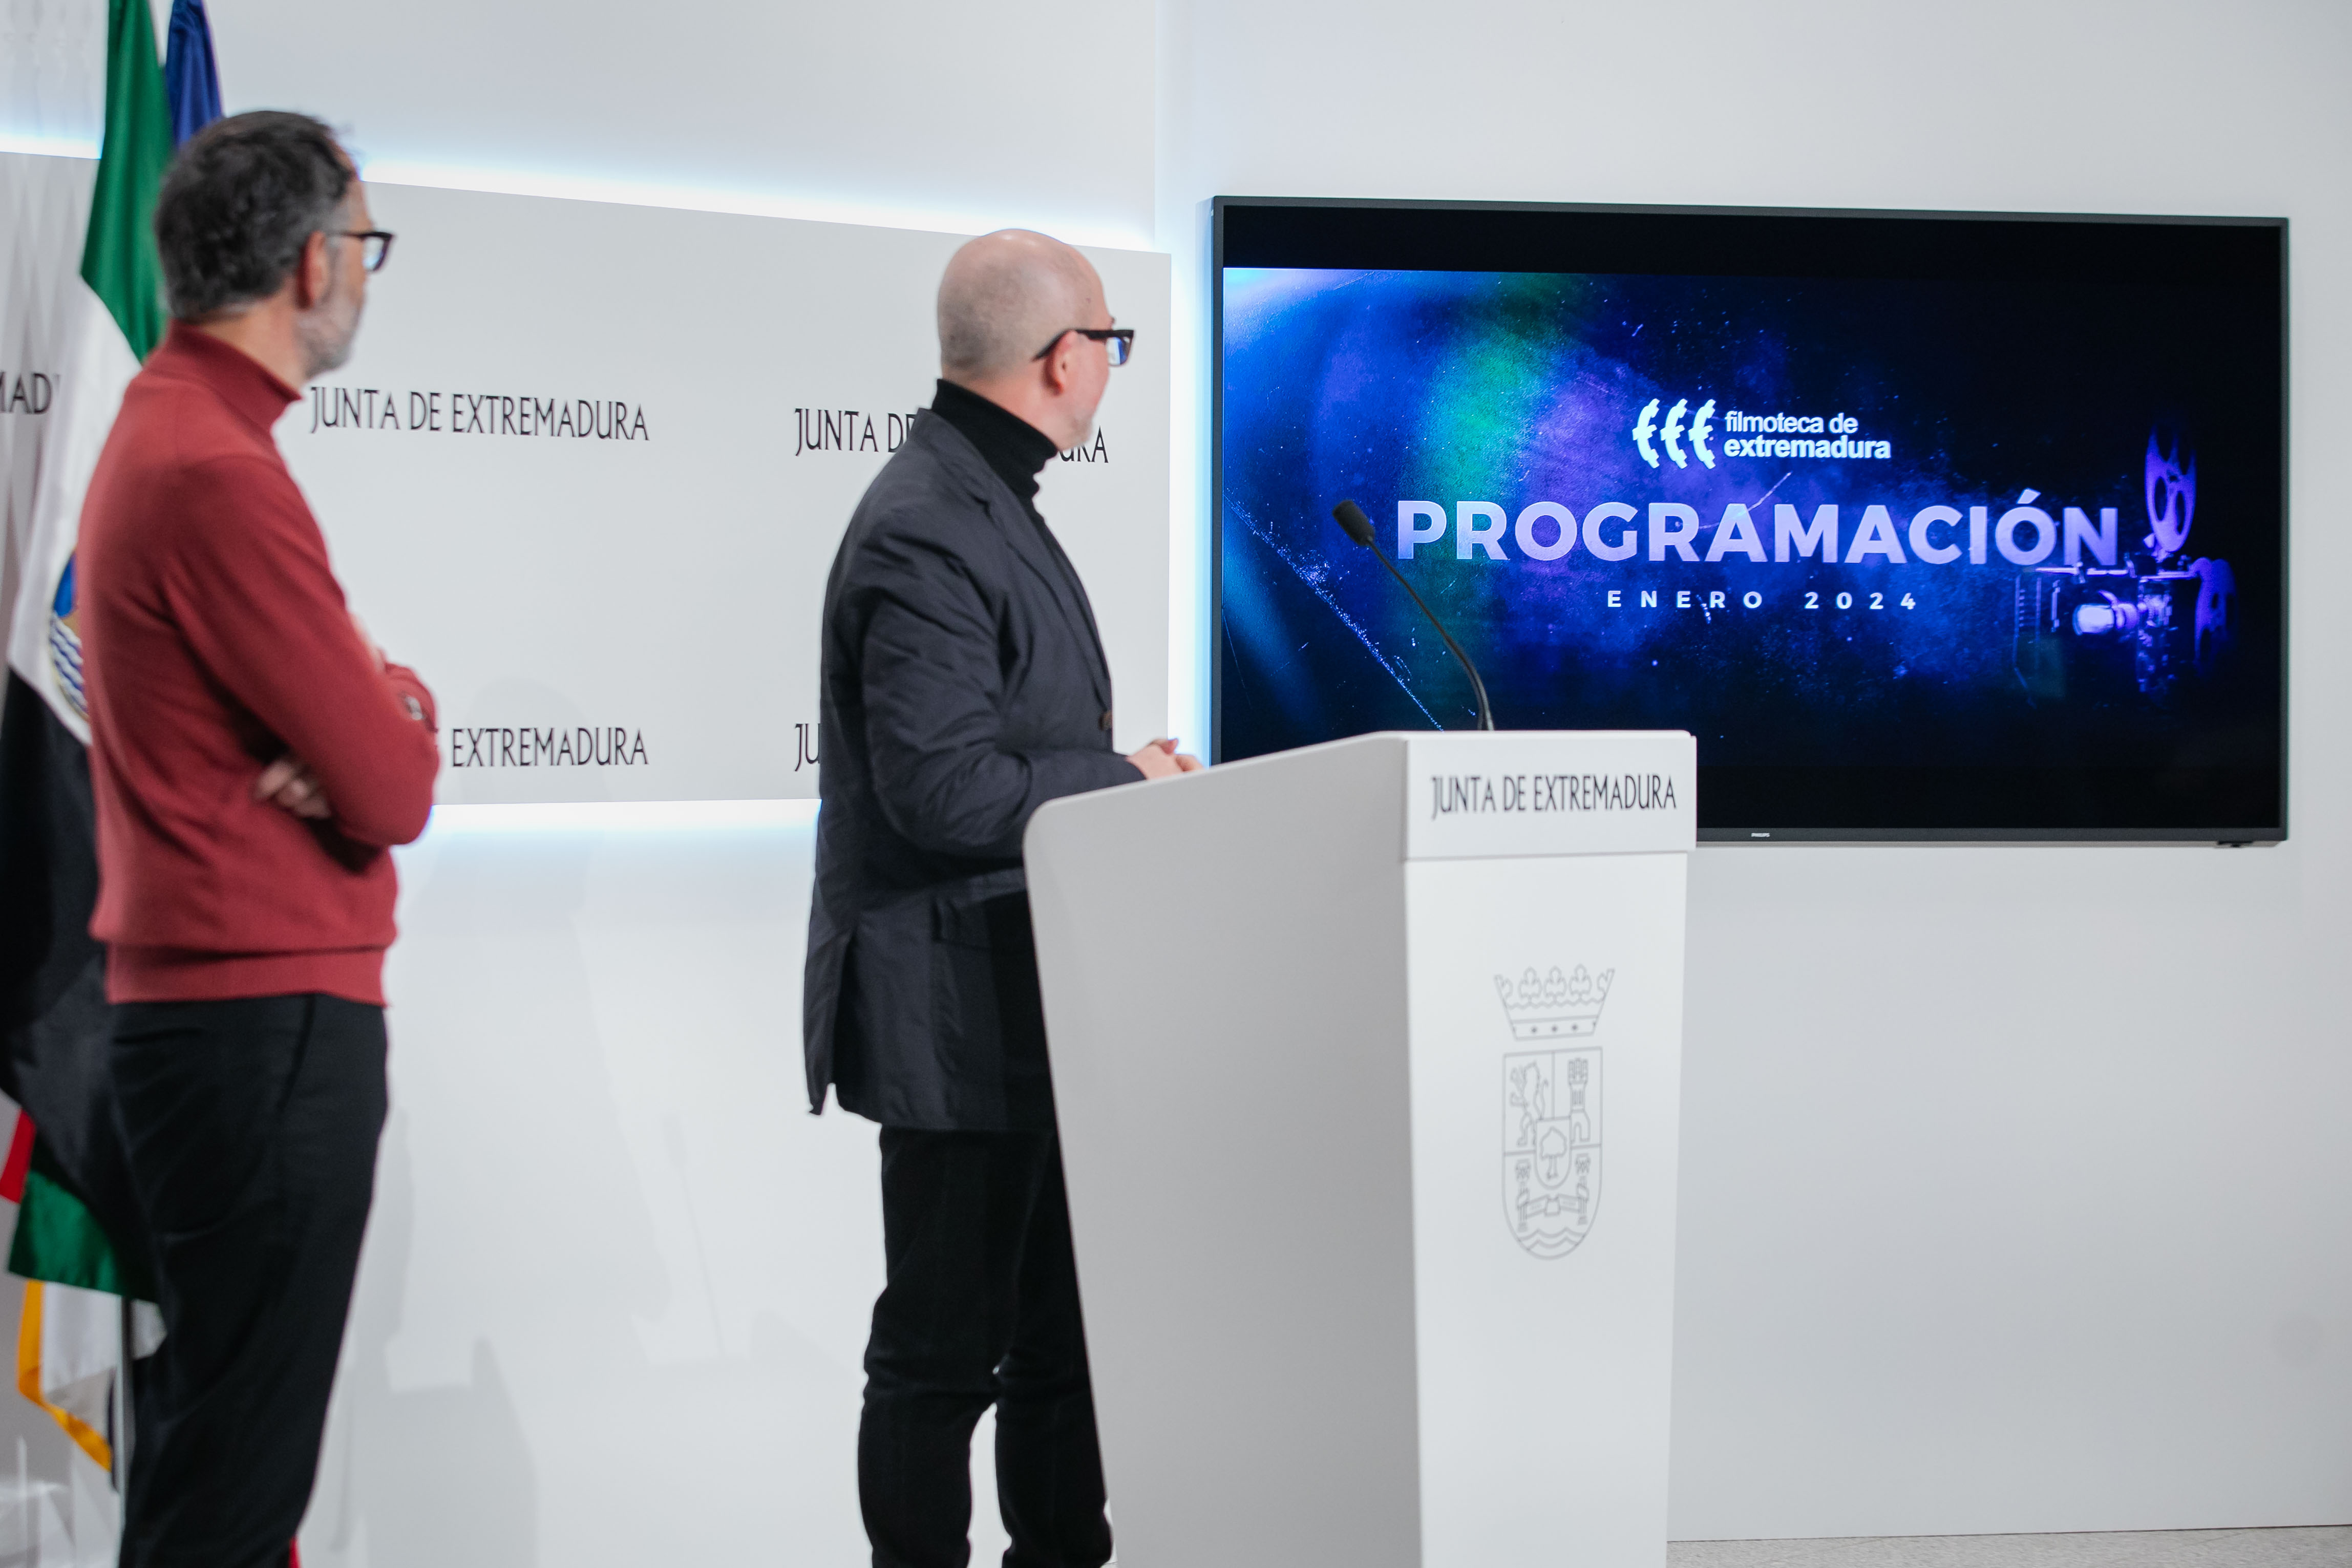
(1551, 1107)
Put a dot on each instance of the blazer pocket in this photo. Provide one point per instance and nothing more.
(990, 913)
(986, 1017)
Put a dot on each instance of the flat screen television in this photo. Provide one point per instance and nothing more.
(1927, 525)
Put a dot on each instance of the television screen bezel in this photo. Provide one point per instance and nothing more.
(2222, 833)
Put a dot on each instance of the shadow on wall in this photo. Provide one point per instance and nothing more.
(440, 1476)
(615, 1282)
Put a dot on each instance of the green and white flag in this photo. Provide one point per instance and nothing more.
(113, 322)
(71, 1335)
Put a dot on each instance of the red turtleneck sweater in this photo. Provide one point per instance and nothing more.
(214, 640)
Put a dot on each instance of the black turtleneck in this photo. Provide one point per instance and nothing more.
(1015, 448)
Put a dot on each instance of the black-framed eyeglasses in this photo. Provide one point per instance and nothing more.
(1119, 341)
(377, 243)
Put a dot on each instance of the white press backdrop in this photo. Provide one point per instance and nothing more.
(588, 467)
(2014, 1194)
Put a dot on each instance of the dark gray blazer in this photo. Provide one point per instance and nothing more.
(963, 687)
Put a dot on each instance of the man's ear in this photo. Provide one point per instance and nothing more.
(1058, 365)
(311, 276)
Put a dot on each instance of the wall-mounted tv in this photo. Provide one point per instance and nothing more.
(1927, 525)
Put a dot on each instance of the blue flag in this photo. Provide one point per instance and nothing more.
(190, 77)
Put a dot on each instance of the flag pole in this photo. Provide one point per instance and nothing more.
(123, 1406)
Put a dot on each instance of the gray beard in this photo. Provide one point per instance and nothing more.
(326, 334)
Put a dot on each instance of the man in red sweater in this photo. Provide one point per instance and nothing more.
(252, 757)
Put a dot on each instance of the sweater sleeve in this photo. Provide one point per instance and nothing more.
(933, 694)
(251, 589)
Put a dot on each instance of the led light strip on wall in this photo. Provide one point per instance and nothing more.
(626, 816)
(688, 198)
(48, 146)
(751, 204)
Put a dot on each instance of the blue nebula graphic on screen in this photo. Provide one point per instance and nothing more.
(1816, 521)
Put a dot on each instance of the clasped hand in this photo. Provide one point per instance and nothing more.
(288, 783)
(1161, 760)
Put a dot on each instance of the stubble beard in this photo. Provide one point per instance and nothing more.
(327, 332)
(1083, 429)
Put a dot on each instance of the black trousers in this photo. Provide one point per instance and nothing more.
(250, 1127)
(980, 1309)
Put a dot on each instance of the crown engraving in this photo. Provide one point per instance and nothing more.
(1554, 1006)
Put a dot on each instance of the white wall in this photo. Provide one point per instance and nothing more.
(2016, 1190)
(895, 115)
(835, 108)
(2016, 1193)
(617, 1279)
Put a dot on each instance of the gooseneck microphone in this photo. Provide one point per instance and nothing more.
(1350, 517)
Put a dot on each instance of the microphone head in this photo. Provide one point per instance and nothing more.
(1350, 517)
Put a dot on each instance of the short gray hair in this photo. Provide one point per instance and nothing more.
(239, 204)
(1004, 297)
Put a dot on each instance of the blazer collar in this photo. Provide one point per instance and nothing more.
(962, 460)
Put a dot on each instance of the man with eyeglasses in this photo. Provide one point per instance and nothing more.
(252, 758)
(964, 685)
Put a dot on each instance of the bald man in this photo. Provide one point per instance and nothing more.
(963, 687)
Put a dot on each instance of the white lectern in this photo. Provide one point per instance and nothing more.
(1367, 1058)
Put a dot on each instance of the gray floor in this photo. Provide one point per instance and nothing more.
(2328, 1548)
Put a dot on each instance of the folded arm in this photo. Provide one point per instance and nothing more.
(251, 589)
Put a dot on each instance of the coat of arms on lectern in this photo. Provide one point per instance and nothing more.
(1551, 1107)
